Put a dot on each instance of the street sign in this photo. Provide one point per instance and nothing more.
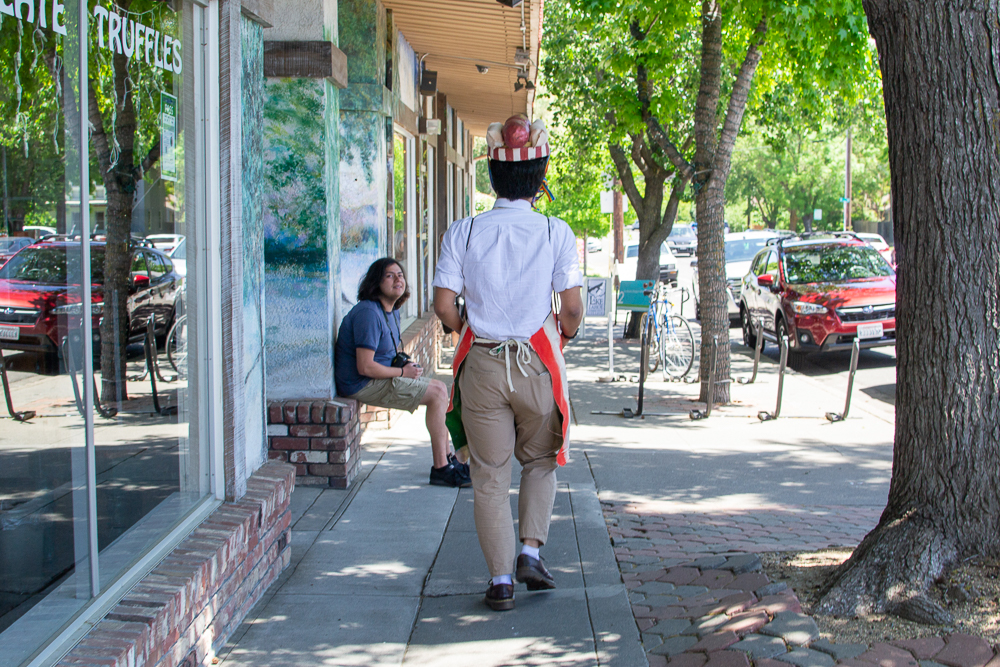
(845, 200)
(598, 304)
(818, 214)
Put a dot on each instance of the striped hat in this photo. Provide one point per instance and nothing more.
(517, 140)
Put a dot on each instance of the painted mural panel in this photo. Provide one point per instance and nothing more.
(253, 242)
(362, 198)
(407, 64)
(296, 219)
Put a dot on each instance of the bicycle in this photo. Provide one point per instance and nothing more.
(668, 335)
(176, 346)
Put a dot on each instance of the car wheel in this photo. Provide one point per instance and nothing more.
(749, 338)
(782, 330)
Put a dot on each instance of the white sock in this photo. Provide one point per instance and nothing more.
(529, 551)
(502, 579)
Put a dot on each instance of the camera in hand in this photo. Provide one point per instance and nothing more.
(400, 360)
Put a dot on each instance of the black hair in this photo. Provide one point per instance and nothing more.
(518, 180)
(370, 287)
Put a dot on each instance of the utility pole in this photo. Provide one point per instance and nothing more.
(618, 222)
(847, 184)
(6, 196)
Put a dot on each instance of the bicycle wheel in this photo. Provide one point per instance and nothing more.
(676, 346)
(176, 346)
(650, 337)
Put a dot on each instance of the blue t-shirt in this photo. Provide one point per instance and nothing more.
(365, 326)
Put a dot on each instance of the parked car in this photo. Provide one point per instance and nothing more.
(39, 299)
(179, 257)
(668, 264)
(682, 240)
(822, 291)
(740, 249)
(10, 245)
(876, 241)
(38, 231)
(164, 242)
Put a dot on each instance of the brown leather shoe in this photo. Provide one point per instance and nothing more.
(500, 597)
(530, 571)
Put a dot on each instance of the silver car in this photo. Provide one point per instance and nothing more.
(740, 250)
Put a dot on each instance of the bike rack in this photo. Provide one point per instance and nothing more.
(107, 413)
(759, 329)
(627, 413)
(698, 414)
(835, 417)
(14, 414)
(764, 415)
(148, 343)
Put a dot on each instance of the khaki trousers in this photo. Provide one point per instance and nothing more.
(500, 423)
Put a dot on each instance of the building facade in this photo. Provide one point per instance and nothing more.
(214, 177)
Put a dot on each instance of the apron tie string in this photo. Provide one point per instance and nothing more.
(522, 356)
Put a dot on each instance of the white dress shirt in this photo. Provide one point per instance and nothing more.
(515, 259)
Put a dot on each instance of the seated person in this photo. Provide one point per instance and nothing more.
(368, 342)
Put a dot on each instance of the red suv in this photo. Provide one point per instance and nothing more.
(822, 291)
(40, 294)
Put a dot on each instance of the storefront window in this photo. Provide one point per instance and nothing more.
(404, 220)
(106, 466)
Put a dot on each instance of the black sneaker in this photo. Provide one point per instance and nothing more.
(451, 476)
(530, 571)
(463, 467)
(500, 597)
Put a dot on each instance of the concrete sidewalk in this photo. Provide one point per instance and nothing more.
(391, 573)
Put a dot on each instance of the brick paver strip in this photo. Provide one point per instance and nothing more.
(682, 660)
(759, 646)
(839, 651)
(698, 574)
(887, 655)
(714, 579)
(924, 648)
(670, 627)
(747, 623)
(675, 645)
(742, 563)
(795, 629)
(964, 651)
(655, 588)
(715, 641)
(727, 659)
(803, 657)
(680, 576)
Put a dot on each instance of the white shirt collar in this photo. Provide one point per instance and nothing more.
(522, 204)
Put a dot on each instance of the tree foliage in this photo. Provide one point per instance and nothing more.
(782, 184)
(677, 79)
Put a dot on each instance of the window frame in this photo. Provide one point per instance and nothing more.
(206, 193)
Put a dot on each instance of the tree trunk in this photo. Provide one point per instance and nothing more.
(120, 183)
(713, 153)
(793, 220)
(942, 93)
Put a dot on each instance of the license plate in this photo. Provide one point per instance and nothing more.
(873, 330)
(9, 333)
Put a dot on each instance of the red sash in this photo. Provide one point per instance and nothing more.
(547, 344)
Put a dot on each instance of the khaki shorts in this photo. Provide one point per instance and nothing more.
(398, 393)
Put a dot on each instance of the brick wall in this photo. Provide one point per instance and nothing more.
(322, 439)
(421, 341)
(186, 608)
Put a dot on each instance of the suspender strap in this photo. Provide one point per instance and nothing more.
(395, 341)
(469, 237)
